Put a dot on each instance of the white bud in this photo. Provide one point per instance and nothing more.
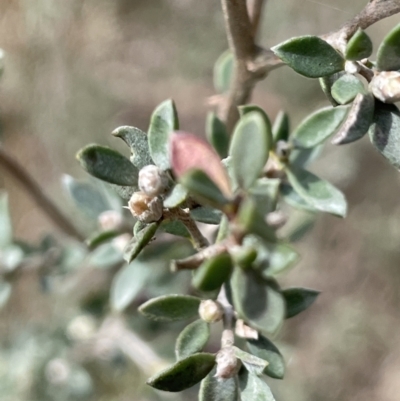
(277, 219)
(227, 364)
(57, 371)
(145, 208)
(244, 331)
(385, 86)
(82, 328)
(351, 67)
(211, 311)
(152, 180)
(121, 241)
(110, 220)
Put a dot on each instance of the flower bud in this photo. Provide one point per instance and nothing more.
(244, 331)
(110, 220)
(152, 180)
(145, 208)
(385, 86)
(211, 311)
(227, 363)
(276, 219)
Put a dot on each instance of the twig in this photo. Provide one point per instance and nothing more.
(228, 336)
(35, 191)
(255, 8)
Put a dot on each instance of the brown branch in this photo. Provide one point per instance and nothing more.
(10, 165)
(255, 9)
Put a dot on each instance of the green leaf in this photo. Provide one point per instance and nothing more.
(292, 198)
(359, 46)
(318, 193)
(108, 165)
(200, 185)
(5, 292)
(249, 108)
(206, 215)
(175, 227)
(128, 283)
(384, 133)
(265, 193)
(213, 389)
(169, 308)
(213, 272)
(5, 222)
(253, 364)
(223, 70)
(346, 88)
(139, 241)
(253, 388)
(176, 197)
(281, 127)
(192, 339)
(326, 85)
(99, 238)
(183, 374)
(268, 312)
(310, 56)
(388, 56)
(304, 157)
(163, 121)
(217, 134)
(318, 126)
(265, 349)
(223, 230)
(298, 299)
(105, 256)
(250, 148)
(125, 192)
(358, 120)
(136, 139)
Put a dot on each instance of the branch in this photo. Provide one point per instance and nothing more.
(255, 8)
(47, 206)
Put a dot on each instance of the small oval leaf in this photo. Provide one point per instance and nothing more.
(217, 134)
(213, 389)
(176, 197)
(359, 46)
(223, 69)
(298, 299)
(183, 374)
(169, 308)
(207, 215)
(310, 56)
(139, 241)
(192, 339)
(281, 127)
(388, 56)
(253, 388)
(253, 364)
(346, 88)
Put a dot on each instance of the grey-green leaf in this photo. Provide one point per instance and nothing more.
(268, 312)
(136, 139)
(298, 299)
(99, 238)
(388, 56)
(253, 388)
(183, 374)
(213, 389)
(318, 126)
(359, 46)
(265, 349)
(250, 146)
(293, 199)
(318, 193)
(5, 292)
(192, 339)
(326, 85)
(346, 88)
(310, 56)
(384, 133)
(169, 308)
(139, 241)
(206, 215)
(176, 197)
(223, 70)
(163, 121)
(358, 120)
(5, 222)
(217, 134)
(281, 127)
(265, 193)
(304, 157)
(108, 165)
(253, 364)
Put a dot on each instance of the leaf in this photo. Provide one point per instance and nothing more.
(5, 222)
(200, 185)
(318, 126)
(250, 148)
(281, 127)
(125, 192)
(318, 193)
(304, 157)
(358, 120)
(223, 230)
(265, 193)
(105, 256)
(183, 374)
(189, 152)
(176, 197)
(302, 226)
(175, 227)
(384, 132)
(253, 388)
(207, 215)
(213, 272)
(268, 312)
(136, 139)
(217, 134)
(310, 56)
(346, 88)
(223, 70)
(163, 121)
(253, 364)
(169, 308)
(293, 199)
(192, 339)
(99, 238)
(5, 292)
(108, 165)
(388, 56)
(326, 85)
(298, 299)
(212, 389)
(128, 283)
(139, 241)
(265, 349)
(359, 46)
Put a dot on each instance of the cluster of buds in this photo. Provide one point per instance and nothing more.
(385, 86)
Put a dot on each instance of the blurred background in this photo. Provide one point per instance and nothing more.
(77, 69)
